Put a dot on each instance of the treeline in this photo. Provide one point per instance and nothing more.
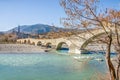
(8, 38)
(59, 34)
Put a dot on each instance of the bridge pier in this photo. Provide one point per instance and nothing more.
(74, 51)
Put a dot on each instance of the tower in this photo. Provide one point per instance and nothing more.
(18, 29)
(18, 33)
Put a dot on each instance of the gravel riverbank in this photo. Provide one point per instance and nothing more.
(19, 48)
(99, 47)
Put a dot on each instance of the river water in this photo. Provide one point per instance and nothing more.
(51, 66)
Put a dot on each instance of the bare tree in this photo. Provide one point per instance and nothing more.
(86, 14)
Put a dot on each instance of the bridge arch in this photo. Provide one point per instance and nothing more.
(20, 42)
(62, 44)
(28, 42)
(39, 43)
(33, 43)
(25, 41)
(90, 40)
(48, 45)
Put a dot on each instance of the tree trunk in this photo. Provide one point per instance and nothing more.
(117, 68)
(108, 60)
(117, 71)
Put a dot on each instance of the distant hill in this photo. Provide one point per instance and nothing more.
(35, 29)
(1, 33)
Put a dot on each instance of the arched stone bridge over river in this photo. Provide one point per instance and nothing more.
(75, 43)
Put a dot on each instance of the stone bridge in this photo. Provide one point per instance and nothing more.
(75, 43)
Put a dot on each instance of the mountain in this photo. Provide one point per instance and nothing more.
(1, 33)
(35, 29)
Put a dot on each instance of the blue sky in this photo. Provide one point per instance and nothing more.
(28, 12)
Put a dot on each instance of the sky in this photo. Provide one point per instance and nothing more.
(29, 12)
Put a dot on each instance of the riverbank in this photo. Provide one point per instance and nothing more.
(99, 47)
(19, 48)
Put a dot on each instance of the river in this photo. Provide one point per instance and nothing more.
(51, 66)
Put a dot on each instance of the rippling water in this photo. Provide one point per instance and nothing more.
(50, 66)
